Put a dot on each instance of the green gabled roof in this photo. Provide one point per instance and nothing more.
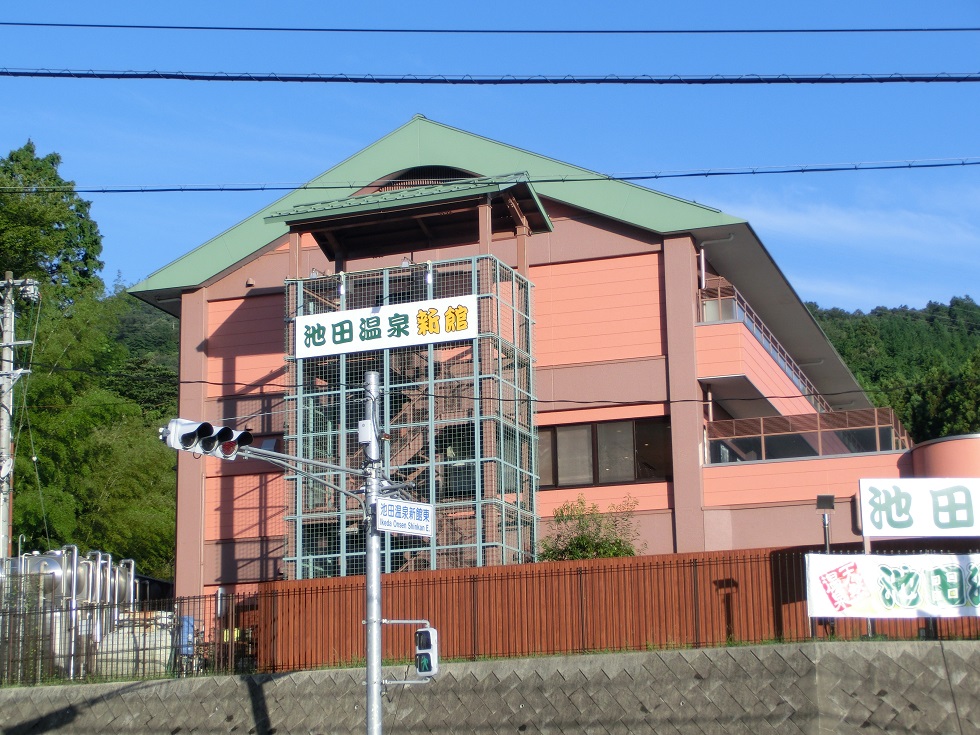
(422, 142)
(416, 196)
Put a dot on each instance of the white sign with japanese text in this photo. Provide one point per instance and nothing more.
(884, 586)
(406, 517)
(386, 327)
(920, 507)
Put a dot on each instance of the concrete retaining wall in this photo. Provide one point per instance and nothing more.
(913, 687)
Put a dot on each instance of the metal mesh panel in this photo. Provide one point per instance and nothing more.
(458, 414)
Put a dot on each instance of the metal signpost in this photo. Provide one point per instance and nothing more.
(382, 513)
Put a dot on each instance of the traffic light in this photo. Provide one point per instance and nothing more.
(184, 434)
(427, 652)
(224, 443)
(204, 438)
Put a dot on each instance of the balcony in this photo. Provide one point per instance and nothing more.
(768, 438)
(721, 302)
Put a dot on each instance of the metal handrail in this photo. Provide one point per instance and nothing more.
(731, 306)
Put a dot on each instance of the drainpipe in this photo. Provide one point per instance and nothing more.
(701, 246)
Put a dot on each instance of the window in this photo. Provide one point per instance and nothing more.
(614, 452)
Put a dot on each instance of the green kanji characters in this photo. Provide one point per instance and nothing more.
(398, 325)
(947, 586)
(427, 321)
(899, 586)
(973, 585)
(343, 332)
(315, 335)
(952, 507)
(890, 507)
(370, 328)
(456, 319)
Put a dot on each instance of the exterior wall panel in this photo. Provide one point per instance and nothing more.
(730, 349)
(790, 481)
(245, 344)
(244, 506)
(608, 309)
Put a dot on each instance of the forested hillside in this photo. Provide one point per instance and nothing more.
(924, 363)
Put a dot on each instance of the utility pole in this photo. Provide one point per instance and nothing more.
(203, 438)
(8, 376)
(368, 432)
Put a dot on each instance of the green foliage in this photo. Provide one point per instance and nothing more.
(46, 231)
(924, 363)
(582, 531)
(88, 414)
(89, 469)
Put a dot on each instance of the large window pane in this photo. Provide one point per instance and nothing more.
(546, 458)
(653, 456)
(746, 449)
(615, 451)
(574, 455)
(857, 440)
(788, 446)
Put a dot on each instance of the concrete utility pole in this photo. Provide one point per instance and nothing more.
(368, 435)
(8, 376)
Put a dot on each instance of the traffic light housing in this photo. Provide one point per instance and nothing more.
(201, 437)
(224, 443)
(426, 652)
(185, 434)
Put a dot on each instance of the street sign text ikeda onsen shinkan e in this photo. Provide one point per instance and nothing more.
(386, 327)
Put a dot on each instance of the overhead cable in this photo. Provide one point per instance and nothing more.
(496, 31)
(965, 161)
(505, 80)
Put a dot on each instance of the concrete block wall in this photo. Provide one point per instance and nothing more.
(813, 688)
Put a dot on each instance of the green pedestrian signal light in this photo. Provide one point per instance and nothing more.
(426, 652)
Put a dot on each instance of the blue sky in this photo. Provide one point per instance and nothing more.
(853, 240)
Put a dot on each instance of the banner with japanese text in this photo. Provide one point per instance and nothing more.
(386, 327)
(920, 507)
(885, 586)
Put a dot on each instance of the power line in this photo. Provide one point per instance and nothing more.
(966, 161)
(498, 31)
(506, 80)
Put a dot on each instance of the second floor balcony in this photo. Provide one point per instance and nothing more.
(768, 438)
(721, 303)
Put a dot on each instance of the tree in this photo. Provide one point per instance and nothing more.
(46, 231)
(89, 469)
(582, 531)
(921, 362)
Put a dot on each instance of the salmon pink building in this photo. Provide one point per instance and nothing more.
(580, 335)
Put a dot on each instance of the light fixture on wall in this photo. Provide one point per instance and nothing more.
(825, 506)
(407, 262)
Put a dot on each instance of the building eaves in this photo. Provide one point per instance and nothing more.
(416, 196)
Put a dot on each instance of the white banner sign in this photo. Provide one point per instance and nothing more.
(403, 516)
(386, 327)
(920, 507)
(880, 586)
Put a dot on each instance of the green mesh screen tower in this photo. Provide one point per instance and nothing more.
(459, 413)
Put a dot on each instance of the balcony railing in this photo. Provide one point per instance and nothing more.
(721, 302)
(769, 438)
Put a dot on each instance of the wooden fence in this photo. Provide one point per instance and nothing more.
(650, 602)
(681, 600)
